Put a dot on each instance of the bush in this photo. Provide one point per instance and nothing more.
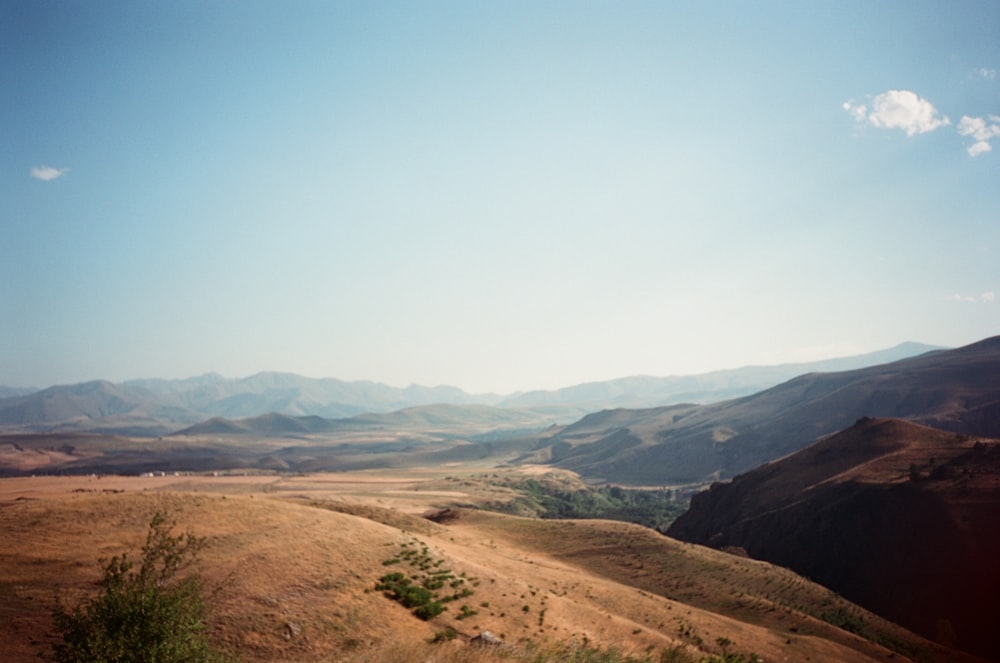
(429, 610)
(445, 636)
(144, 614)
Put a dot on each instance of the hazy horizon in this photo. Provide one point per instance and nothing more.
(217, 374)
(496, 196)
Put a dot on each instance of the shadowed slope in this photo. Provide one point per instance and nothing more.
(898, 517)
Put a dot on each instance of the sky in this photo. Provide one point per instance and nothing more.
(496, 195)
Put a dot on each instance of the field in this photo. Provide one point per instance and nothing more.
(296, 560)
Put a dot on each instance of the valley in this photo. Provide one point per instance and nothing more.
(836, 516)
(500, 332)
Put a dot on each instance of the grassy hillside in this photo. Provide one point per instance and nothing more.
(298, 566)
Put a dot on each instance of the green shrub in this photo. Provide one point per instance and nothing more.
(411, 596)
(143, 614)
(445, 636)
(429, 610)
(466, 612)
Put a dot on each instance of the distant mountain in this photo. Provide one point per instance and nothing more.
(10, 392)
(957, 390)
(270, 424)
(647, 391)
(897, 517)
(469, 419)
(156, 407)
(81, 405)
(296, 395)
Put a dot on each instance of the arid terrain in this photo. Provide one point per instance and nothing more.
(296, 559)
(896, 516)
(305, 518)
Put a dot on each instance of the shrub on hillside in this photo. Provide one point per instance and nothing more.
(145, 613)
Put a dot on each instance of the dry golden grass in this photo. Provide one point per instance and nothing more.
(297, 558)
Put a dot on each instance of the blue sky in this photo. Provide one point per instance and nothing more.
(495, 195)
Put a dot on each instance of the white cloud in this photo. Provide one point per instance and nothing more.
(857, 111)
(988, 74)
(898, 109)
(978, 148)
(981, 131)
(902, 109)
(984, 298)
(47, 173)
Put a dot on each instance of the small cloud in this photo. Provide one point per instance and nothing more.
(47, 173)
(902, 109)
(857, 111)
(988, 74)
(984, 298)
(981, 131)
(899, 109)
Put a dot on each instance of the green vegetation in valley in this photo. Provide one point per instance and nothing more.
(655, 509)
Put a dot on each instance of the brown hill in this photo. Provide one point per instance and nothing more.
(898, 517)
(420, 420)
(958, 390)
(297, 566)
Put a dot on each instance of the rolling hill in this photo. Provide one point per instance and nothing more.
(297, 567)
(956, 390)
(895, 516)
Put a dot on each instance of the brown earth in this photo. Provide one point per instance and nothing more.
(297, 558)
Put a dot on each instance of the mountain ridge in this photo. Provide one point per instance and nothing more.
(711, 386)
(957, 390)
(159, 406)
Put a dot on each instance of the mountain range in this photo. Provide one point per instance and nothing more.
(955, 390)
(155, 407)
